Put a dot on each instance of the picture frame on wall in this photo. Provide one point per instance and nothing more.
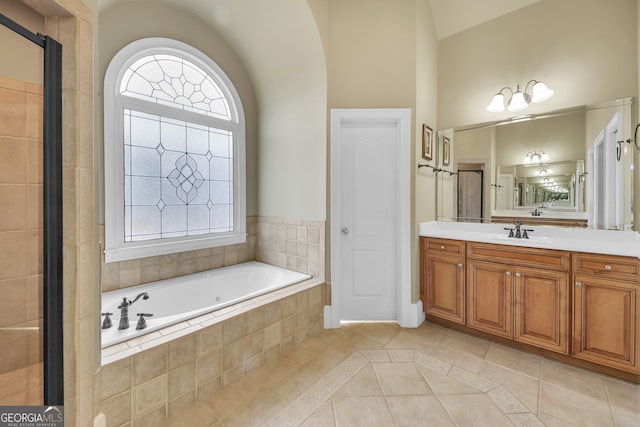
(446, 151)
(427, 142)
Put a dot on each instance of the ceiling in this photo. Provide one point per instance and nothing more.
(453, 16)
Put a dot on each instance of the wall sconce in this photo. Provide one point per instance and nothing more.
(536, 157)
(520, 99)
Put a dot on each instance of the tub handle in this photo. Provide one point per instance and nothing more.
(106, 323)
(142, 323)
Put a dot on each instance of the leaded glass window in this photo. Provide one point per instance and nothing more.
(174, 153)
(174, 81)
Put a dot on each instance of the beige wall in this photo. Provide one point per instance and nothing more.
(562, 138)
(26, 59)
(585, 50)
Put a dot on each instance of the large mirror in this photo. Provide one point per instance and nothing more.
(570, 168)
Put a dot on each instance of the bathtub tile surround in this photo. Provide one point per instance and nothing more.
(163, 373)
(294, 244)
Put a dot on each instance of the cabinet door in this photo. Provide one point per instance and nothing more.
(444, 287)
(606, 321)
(541, 309)
(490, 302)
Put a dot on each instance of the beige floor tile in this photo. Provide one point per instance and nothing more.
(458, 358)
(198, 415)
(364, 383)
(442, 384)
(474, 410)
(275, 371)
(326, 360)
(401, 379)
(408, 340)
(467, 344)
(255, 412)
(294, 384)
(430, 331)
(354, 342)
(553, 421)
(523, 387)
(514, 359)
(413, 411)
(226, 401)
(379, 332)
(579, 380)
(306, 351)
(323, 417)
(624, 399)
(574, 407)
(362, 411)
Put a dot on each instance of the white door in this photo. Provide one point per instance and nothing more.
(368, 221)
(366, 200)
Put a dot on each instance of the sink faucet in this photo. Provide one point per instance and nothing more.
(518, 232)
(124, 309)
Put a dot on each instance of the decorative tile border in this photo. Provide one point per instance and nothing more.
(315, 397)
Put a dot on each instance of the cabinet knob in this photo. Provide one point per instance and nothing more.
(578, 284)
(517, 274)
(460, 264)
(607, 267)
(508, 273)
(442, 247)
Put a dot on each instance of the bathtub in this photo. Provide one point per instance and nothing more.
(175, 300)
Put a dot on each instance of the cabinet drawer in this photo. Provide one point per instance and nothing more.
(533, 257)
(606, 265)
(443, 246)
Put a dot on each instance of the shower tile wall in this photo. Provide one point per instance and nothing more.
(20, 224)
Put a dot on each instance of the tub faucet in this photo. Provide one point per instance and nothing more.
(124, 309)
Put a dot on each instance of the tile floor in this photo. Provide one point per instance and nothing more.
(378, 374)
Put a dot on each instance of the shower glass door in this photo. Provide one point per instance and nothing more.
(21, 225)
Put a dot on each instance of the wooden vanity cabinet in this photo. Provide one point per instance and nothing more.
(606, 310)
(443, 278)
(519, 293)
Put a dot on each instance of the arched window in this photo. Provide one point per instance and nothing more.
(174, 152)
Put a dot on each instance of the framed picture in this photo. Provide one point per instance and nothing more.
(446, 151)
(427, 142)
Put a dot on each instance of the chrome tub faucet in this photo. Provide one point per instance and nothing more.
(124, 309)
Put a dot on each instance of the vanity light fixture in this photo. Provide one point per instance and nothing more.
(520, 99)
(536, 157)
(543, 171)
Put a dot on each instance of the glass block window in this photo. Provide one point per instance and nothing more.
(174, 153)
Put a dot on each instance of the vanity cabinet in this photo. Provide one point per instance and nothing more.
(443, 278)
(606, 310)
(519, 293)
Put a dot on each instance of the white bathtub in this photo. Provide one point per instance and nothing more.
(182, 298)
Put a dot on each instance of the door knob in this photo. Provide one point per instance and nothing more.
(345, 230)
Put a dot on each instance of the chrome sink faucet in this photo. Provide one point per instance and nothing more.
(124, 309)
(518, 232)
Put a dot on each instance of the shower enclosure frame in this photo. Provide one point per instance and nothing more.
(53, 363)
